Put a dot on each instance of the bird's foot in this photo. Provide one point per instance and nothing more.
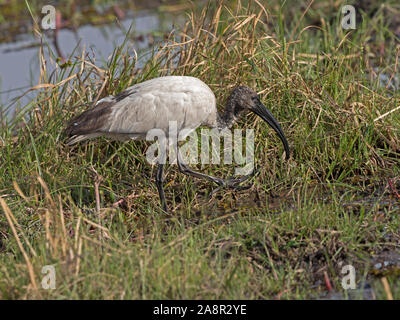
(220, 182)
(234, 183)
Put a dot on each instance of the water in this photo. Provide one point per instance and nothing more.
(19, 63)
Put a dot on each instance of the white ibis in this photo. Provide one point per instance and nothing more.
(154, 103)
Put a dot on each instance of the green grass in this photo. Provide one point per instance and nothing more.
(329, 205)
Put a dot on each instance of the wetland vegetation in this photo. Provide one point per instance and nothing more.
(335, 202)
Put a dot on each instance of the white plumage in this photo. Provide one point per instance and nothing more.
(153, 104)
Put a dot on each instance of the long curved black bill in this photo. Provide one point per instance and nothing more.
(267, 116)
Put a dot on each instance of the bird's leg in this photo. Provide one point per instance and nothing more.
(230, 183)
(189, 172)
(159, 183)
(234, 182)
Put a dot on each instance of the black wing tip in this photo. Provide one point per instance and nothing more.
(89, 121)
(71, 128)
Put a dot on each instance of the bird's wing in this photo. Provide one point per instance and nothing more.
(92, 120)
(144, 111)
(148, 105)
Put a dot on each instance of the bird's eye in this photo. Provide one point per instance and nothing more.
(254, 98)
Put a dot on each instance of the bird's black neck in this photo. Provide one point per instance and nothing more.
(228, 117)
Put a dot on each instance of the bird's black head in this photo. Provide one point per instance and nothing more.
(243, 98)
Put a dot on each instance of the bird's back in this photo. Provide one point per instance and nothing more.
(148, 105)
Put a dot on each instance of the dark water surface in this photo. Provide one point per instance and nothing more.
(19, 61)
